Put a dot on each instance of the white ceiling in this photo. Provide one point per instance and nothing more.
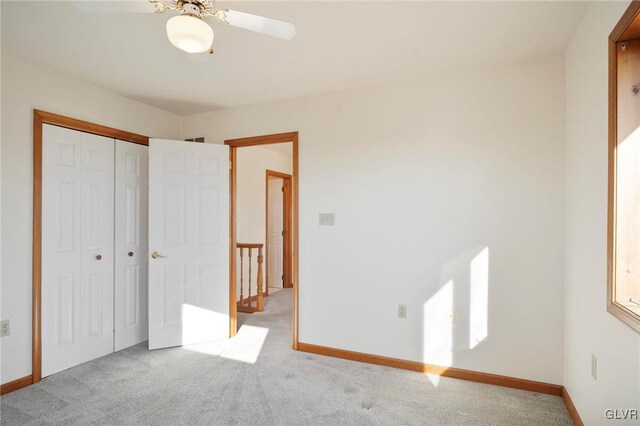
(339, 45)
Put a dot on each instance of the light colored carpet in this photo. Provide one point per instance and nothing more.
(218, 384)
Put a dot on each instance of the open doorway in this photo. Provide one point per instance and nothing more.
(278, 230)
(263, 227)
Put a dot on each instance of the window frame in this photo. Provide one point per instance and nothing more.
(628, 28)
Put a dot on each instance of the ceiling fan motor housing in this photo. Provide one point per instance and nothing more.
(191, 9)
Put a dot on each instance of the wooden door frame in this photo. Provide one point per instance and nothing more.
(39, 119)
(287, 281)
(234, 144)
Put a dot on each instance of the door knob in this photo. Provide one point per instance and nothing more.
(156, 255)
(99, 257)
(130, 253)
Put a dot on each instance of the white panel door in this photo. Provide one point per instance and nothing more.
(275, 243)
(77, 248)
(131, 261)
(188, 243)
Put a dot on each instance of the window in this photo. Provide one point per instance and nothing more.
(624, 170)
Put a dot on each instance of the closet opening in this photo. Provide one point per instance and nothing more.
(100, 246)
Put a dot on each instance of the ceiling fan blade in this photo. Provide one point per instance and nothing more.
(115, 6)
(259, 24)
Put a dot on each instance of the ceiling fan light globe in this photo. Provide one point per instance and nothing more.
(189, 33)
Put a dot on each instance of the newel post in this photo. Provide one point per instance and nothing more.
(260, 281)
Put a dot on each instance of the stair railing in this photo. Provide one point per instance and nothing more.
(252, 302)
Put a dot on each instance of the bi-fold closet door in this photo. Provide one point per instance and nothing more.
(131, 260)
(94, 195)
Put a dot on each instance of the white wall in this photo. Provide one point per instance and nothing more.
(589, 329)
(423, 177)
(25, 87)
(1, 313)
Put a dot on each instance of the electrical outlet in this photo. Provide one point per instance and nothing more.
(327, 219)
(5, 328)
(594, 367)
(402, 311)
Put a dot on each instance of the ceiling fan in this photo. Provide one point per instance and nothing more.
(188, 31)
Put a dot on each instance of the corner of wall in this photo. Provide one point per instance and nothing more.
(589, 330)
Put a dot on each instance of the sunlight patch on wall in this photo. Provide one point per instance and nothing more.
(479, 298)
(438, 327)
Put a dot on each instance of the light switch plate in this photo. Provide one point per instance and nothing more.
(327, 219)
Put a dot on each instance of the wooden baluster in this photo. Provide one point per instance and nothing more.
(250, 251)
(260, 281)
(241, 276)
(246, 304)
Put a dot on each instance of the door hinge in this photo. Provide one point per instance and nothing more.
(282, 278)
(230, 165)
(283, 233)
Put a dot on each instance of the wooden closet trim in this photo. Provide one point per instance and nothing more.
(87, 127)
(39, 119)
(234, 144)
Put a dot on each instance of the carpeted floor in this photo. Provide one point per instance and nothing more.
(219, 384)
